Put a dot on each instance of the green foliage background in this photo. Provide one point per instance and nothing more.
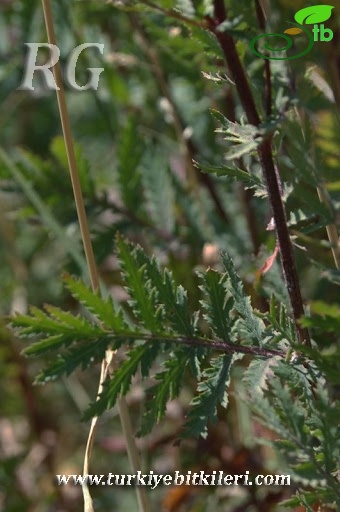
(194, 299)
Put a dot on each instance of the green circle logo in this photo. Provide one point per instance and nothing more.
(288, 45)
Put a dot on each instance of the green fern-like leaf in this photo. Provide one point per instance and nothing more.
(49, 344)
(130, 153)
(308, 499)
(171, 298)
(212, 391)
(186, 7)
(280, 324)
(252, 327)
(167, 388)
(77, 341)
(246, 137)
(250, 179)
(194, 212)
(257, 374)
(218, 304)
(103, 309)
(143, 356)
(81, 356)
(159, 191)
(142, 291)
(54, 321)
(208, 41)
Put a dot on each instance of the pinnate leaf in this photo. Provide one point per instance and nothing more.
(218, 304)
(103, 309)
(212, 391)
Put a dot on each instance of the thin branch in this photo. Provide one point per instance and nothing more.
(174, 14)
(245, 195)
(144, 223)
(228, 348)
(219, 345)
(179, 125)
(66, 126)
(331, 229)
(94, 277)
(261, 18)
(267, 163)
(151, 54)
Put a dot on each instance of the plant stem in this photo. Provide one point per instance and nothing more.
(94, 277)
(219, 345)
(331, 229)
(179, 125)
(268, 168)
(173, 14)
(260, 14)
(244, 194)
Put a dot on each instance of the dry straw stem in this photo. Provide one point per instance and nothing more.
(93, 272)
(331, 229)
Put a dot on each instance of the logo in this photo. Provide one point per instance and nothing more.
(314, 15)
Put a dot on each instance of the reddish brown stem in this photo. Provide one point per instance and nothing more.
(267, 163)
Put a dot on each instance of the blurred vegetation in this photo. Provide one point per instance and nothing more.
(161, 116)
